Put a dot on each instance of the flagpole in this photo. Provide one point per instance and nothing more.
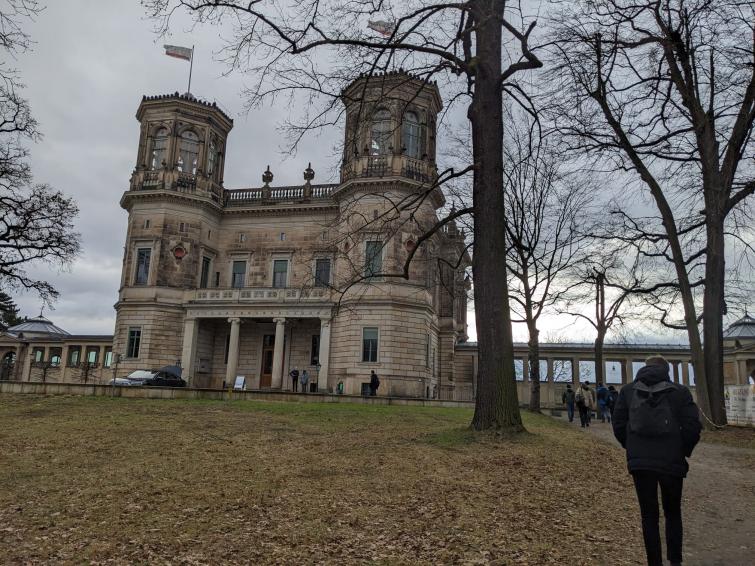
(191, 66)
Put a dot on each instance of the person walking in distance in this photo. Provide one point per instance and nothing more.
(602, 395)
(374, 383)
(294, 374)
(567, 398)
(585, 400)
(304, 379)
(658, 424)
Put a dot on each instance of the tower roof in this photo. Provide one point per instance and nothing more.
(186, 97)
(743, 328)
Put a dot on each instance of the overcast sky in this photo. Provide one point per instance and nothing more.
(92, 62)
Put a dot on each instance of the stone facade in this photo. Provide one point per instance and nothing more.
(259, 281)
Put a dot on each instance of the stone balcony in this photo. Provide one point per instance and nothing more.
(259, 295)
(376, 166)
(267, 194)
(174, 180)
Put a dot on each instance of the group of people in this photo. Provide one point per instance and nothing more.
(658, 424)
(586, 401)
(296, 379)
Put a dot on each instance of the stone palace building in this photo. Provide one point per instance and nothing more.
(257, 281)
(254, 282)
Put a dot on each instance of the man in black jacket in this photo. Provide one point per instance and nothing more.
(658, 424)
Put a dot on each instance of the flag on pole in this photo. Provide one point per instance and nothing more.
(382, 27)
(178, 52)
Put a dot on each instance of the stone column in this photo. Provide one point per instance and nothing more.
(64, 363)
(575, 371)
(627, 371)
(675, 367)
(18, 363)
(27, 366)
(324, 356)
(525, 369)
(188, 352)
(549, 371)
(280, 333)
(685, 373)
(233, 352)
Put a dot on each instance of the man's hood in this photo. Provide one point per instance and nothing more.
(650, 375)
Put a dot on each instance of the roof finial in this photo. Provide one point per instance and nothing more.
(267, 176)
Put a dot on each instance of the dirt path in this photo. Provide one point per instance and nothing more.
(719, 503)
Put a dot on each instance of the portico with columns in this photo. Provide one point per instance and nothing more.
(259, 343)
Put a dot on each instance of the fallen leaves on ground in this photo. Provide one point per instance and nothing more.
(116, 481)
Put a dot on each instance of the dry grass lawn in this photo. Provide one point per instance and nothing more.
(99, 480)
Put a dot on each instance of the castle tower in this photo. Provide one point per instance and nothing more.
(174, 206)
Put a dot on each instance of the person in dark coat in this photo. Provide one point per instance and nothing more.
(657, 451)
(374, 383)
(567, 398)
(294, 374)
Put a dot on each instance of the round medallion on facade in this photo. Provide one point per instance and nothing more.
(179, 252)
(410, 245)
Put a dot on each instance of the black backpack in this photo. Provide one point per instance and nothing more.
(650, 412)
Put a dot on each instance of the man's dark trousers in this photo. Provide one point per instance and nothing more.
(646, 484)
(570, 410)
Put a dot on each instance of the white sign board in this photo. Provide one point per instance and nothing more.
(740, 404)
(240, 383)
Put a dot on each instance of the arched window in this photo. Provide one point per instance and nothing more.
(212, 158)
(188, 152)
(159, 148)
(411, 134)
(380, 133)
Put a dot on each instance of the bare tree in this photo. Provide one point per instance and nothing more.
(665, 91)
(460, 43)
(546, 216)
(36, 221)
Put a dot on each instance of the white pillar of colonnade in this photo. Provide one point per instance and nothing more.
(280, 336)
(323, 356)
(233, 352)
(188, 350)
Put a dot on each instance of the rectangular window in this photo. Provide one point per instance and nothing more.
(134, 340)
(369, 344)
(322, 273)
(239, 271)
(242, 238)
(280, 273)
(217, 279)
(182, 226)
(93, 354)
(373, 258)
(142, 265)
(204, 279)
(146, 224)
(74, 356)
(38, 354)
(55, 354)
(314, 358)
(108, 358)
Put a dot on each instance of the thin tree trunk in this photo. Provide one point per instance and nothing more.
(533, 358)
(496, 403)
(600, 366)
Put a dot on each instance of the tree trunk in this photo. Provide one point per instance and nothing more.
(713, 405)
(496, 403)
(533, 358)
(600, 366)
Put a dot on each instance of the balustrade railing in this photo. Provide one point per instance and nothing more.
(389, 166)
(241, 197)
(261, 294)
(173, 180)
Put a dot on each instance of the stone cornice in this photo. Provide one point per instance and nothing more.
(397, 182)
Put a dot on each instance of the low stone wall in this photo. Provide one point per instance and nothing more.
(37, 388)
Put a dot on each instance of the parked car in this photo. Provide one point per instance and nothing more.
(139, 376)
(167, 376)
(120, 382)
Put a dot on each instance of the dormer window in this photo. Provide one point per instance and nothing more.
(411, 135)
(159, 148)
(380, 132)
(188, 152)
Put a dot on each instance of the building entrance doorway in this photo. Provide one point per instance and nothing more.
(266, 372)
